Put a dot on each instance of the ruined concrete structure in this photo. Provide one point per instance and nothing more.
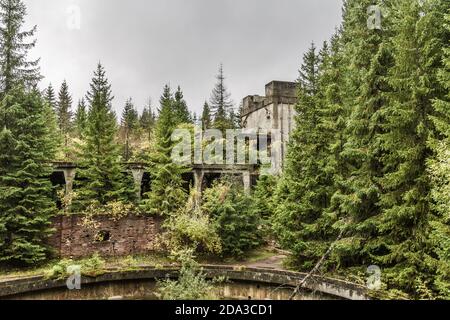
(200, 177)
(274, 111)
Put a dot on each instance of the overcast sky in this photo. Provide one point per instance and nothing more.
(144, 44)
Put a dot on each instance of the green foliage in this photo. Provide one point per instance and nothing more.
(27, 142)
(92, 267)
(180, 108)
(206, 117)
(130, 123)
(167, 195)
(263, 201)
(372, 115)
(81, 117)
(221, 104)
(191, 228)
(50, 96)
(147, 120)
(103, 178)
(15, 68)
(439, 169)
(238, 226)
(191, 283)
(305, 190)
(64, 116)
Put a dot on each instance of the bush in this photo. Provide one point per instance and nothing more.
(191, 284)
(93, 266)
(239, 226)
(191, 228)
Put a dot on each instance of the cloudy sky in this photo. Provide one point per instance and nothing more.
(144, 44)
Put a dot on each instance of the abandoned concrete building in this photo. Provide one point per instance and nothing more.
(275, 111)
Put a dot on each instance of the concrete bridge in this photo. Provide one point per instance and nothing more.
(200, 176)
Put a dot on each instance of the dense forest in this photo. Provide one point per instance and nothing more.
(367, 175)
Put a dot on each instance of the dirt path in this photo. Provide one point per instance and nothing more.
(274, 262)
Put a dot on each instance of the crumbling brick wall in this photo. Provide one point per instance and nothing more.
(129, 235)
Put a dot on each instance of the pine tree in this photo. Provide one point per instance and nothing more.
(206, 117)
(50, 97)
(64, 115)
(405, 200)
(80, 121)
(15, 68)
(103, 178)
(130, 121)
(306, 188)
(220, 103)
(147, 120)
(181, 110)
(167, 195)
(27, 143)
(367, 58)
(440, 173)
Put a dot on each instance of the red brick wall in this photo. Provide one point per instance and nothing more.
(129, 235)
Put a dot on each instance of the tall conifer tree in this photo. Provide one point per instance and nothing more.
(80, 121)
(130, 122)
(220, 103)
(167, 194)
(27, 144)
(405, 200)
(15, 68)
(103, 178)
(64, 115)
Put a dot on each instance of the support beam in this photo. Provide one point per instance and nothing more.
(69, 177)
(198, 180)
(247, 181)
(138, 175)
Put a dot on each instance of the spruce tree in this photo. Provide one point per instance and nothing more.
(181, 110)
(27, 144)
(220, 103)
(305, 190)
(50, 97)
(206, 117)
(167, 195)
(15, 68)
(130, 118)
(64, 115)
(80, 121)
(405, 200)
(367, 58)
(147, 120)
(103, 177)
(440, 173)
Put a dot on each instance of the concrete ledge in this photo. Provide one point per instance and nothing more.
(333, 287)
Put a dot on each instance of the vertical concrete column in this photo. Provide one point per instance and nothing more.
(198, 181)
(69, 177)
(138, 175)
(247, 181)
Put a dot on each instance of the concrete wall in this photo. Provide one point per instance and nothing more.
(129, 235)
(243, 283)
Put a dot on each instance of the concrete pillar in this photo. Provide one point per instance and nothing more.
(247, 181)
(138, 175)
(198, 181)
(69, 177)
